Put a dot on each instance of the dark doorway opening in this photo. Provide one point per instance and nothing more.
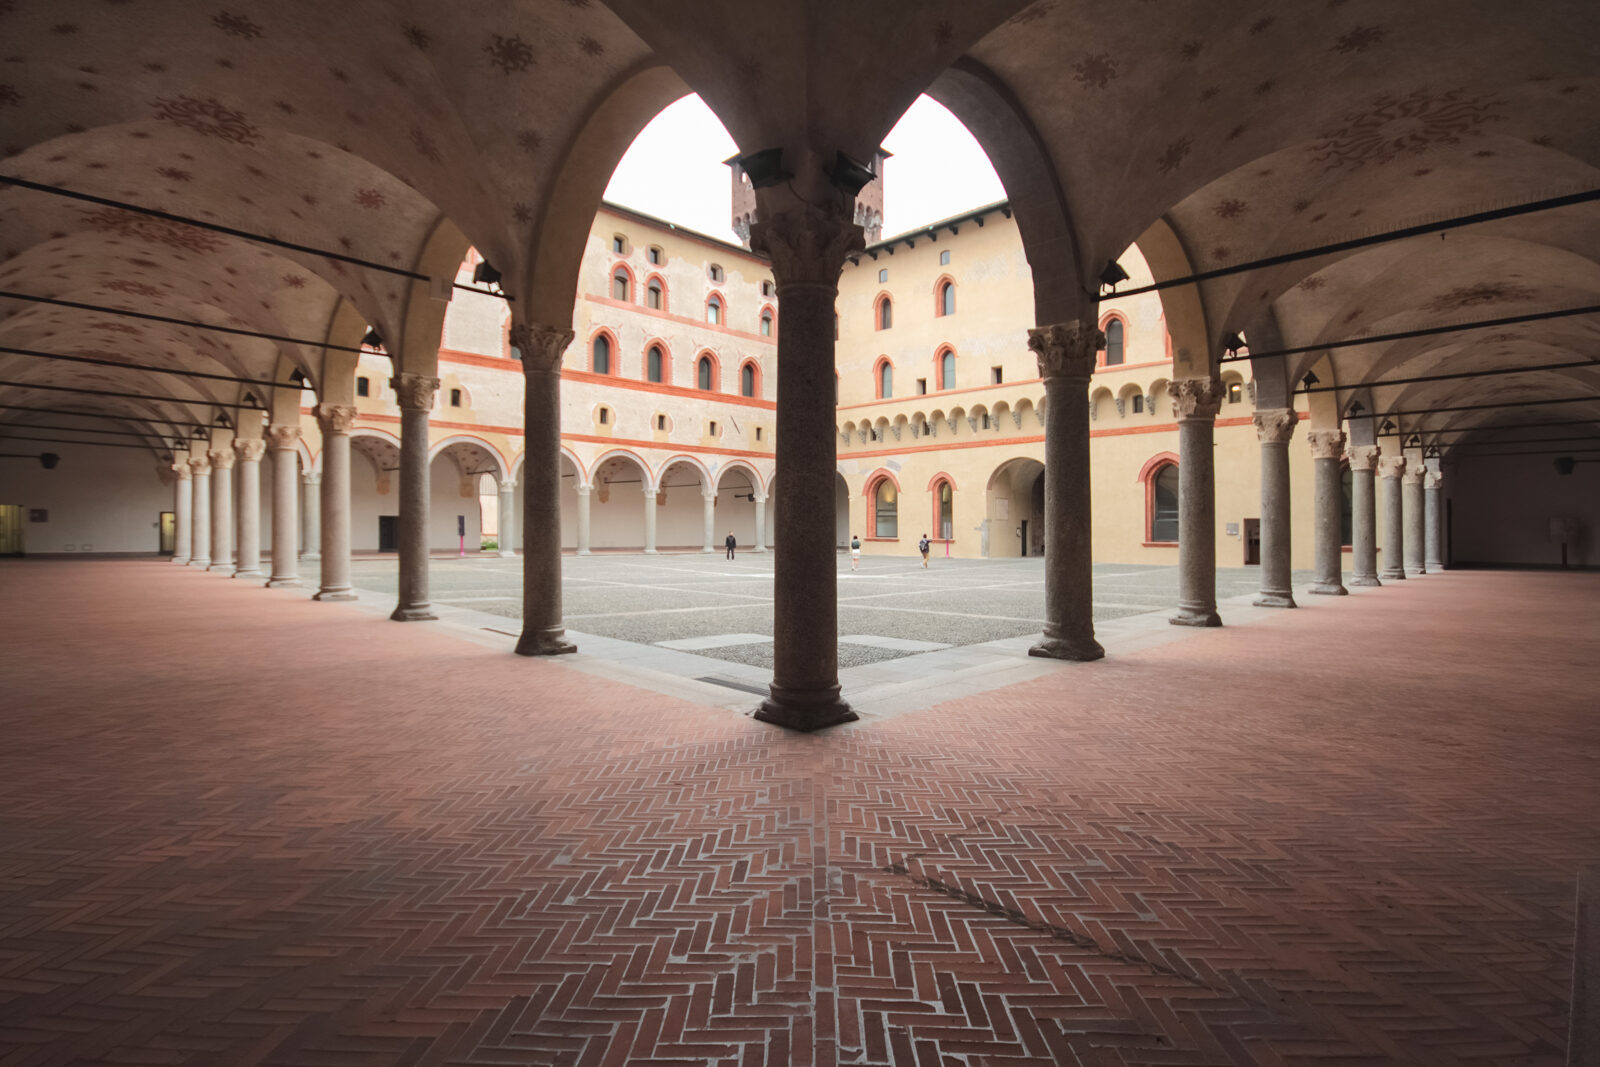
(388, 533)
(168, 525)
(1252, 542)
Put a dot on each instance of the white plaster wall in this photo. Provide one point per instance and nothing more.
(618, 521)
(366, 504)
(446, 502)
(1503, 506)
(680, 523)
(99, 499)
(738, 515)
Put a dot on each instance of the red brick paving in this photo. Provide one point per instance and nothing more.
(242, 827)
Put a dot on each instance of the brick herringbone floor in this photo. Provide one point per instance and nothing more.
(242, 828)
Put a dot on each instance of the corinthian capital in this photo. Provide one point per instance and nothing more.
(335, 418)
(1274, 426)
(1391, 466)
(807, 247)
(282, 437)
(414, 390)
(249, 451)
(200, 467)
(1066, 349)
(1197, 398)
(1414, 475)
(181, 469)
(221, 459)
(1364, 457)
(1325, 444)
(540, 346)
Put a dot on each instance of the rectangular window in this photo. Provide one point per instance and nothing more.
(1138, 404)
(655, 256)
(985, 420)
(455, 398)
(605, 416)
(944, 258)
(713, 430)
(758, 433)
(361, 387)
(922, 386)
(883, 275)
(999, 377)
(619, 245)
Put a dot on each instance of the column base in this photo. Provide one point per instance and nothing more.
(585, 552)
(224, 569)
(1364, 580)
(1434, 566)
(181, 560)
(249, 574)
(708, 548)
(1274, 600)
(311, 557)
(413, 613)
(507, 554)
(1079, 650)
(650, 552)
(805, 709)
(1196, 617)
(1329, 589)
(758, 548)
(199, 564)
(1397, 576)
(282, 583)
(1412, 572)
(551, 642)
(334, 595)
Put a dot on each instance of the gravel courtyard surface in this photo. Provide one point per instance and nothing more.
(890, 608)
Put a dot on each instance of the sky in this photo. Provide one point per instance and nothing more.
(674, 170)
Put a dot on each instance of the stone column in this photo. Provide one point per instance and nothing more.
(281, 441)
(1433, 521)
(1274, 427)
(584, 492)
(1411, 509)
(182, 511)
(761, 523)
(1066, 356)
(416, 401)
(335, 421)
(221, 510)
(508, 518)
(200, 507)
(1196, 402)
(1390, 468)
(540, 347)
(807, 247)
(708, 494)
(1327, 446)
(649, 520)
(311, 526)
(1363, 516)
(249, 507)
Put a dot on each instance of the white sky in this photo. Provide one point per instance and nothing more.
(674, 170)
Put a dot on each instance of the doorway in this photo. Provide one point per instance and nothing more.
(1252, 542)
(1022, 535)
(388, 533)
(10, 529)
(169, 533)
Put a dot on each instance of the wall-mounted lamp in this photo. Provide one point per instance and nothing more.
(848, 175)
(764, 168)
(199, 434)
(250, 401)
(1432, 452)
(1309, 380)
(222, 420)
(1112, 274)
(1231, 343)
(372, 339)
(1355, 409)
(296, 377)
(1414, 441)
(1388, 426)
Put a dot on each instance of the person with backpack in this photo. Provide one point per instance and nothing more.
(922, 546)
(855, 551)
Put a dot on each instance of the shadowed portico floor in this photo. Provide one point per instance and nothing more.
(242, 827)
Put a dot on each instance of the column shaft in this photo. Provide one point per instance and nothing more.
(1327, 546)
(583, 519)
(311, 526)
(248, 508)
(709, 519)
(182, 512)
(1066, 357)
(200, 507)
(1363, 516)
(285, 504)
(416, 400)
(761, 524)
(1274, 428)
(541, 347)
(1196, 401)
(649, 521)
(1394, 538)
(221, 512)
(1433, 520)
(1411, 506)
(507, 535)
(335, 421)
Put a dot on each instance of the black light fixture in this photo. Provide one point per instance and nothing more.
(199, 434)
(1231, 343)
(222, 420)
(48, 460)
(1112, 273)
(1355, 408)
(484, 274)
(296, 377)
(1388, 426)
(764, 168)
(847, 175)
(1414, 441)
(372, 339)
(1432, 452)
(1564, 464)
(250, 401)
(1309, 380)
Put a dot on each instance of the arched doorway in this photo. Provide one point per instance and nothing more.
(1013, 523)
(736, 505)
(841, 511)
(616, 506)
(374, 491)
(681, 508)
(458, 493)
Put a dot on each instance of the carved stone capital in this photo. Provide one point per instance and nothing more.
(1274, 426)
(508, 485)
(1066, 349)
(249, 451)
(335, 418)
(1197, 398)
(540, 346)
(1325, 444)
(1414, 475)
(221, 459)
(1364, 457)
(1435, 480)
(181, 469)
(1391, 466)
(312, 477)
(808, 246)
(282, 437)
(414, 390)
(200, 467)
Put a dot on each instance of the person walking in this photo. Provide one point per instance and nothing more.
(922, 546)
(855, 551)
(730, 543)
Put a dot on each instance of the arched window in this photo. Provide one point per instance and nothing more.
(655, 364)
(885, 510)
(947, 298)
(885, 313)
(619, 285)
(1164, 504)
(944, 519)
(885, 381)
(704, 373)
(747, 380)
(714, 311)
(766, 324)
(654, 295)
(1235, 392)
(947, 370)
(1113, 342)
(602, 355)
